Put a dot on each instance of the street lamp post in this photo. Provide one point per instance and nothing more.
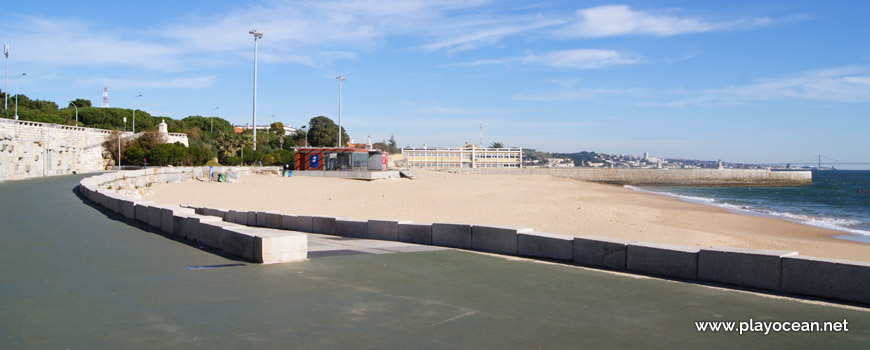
(306, 135)
(16, 94)
(77, 112)
(212, 120)
(340, 79)
(257, 36)
(134, 112)
(6, 81)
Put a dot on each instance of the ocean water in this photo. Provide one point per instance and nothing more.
(837, 200)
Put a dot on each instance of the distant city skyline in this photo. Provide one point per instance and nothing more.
(741, 81)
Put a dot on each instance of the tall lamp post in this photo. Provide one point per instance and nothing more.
(77, 112)
(6, 81)
(340, 79)
(16, 94)
(134, 112)
(212, 120)
(306, 135)
(257, 36)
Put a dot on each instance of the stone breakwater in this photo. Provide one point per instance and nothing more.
(31, 149)
(665, 177)
(270, 237)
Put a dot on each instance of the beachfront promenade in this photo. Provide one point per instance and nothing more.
(77, 276)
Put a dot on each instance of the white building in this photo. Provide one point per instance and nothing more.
(466, 156)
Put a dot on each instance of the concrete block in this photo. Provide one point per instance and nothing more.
(352, 228)
(273, 220)
(742, 267)
(384, 229)
(272, 247)
(128, 208)
(662, 260)
(211, 233)
(287, 221)
(601, 252)
(215, 212)
(303, 223)
(324, 225)
(155, 215)
(262, 217)
(166, 217)
(141, 211)
(451, 235)
(194, 227)
(493, 239)
(239, 217)
(239, 241)
(230, 216)
(252, 218)
(545, 246)
(180, 224)
(827, 278)
(415, 233)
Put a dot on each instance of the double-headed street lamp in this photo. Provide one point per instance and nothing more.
(257, 36)
(134, 112)
(16, 94)
(340, 79)
(77, 112)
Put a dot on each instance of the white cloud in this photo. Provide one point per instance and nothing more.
(613, 20)
(583, 58)
(843, 84)
(173, 83)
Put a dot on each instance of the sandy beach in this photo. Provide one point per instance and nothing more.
(544, 203)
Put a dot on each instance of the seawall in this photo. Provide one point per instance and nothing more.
(31, 149)
(666, 177)
(257, 236)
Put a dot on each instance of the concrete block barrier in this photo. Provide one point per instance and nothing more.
(273, 220)
(662, 260)
(167, 220)
(742, 267)
(287, 221)
(239, 241)
(415, 233)
(545, 246)
(180, 224)
(324, 225)
(451, 235)
(272, 246)
(828, 278)
(384, 230)
(155, 215)
(239, 217)
(493, 239)
(352, 228)
(251, 218)
(600, 251)
(262, 219)
(302, 223)
(128, 208)
(194, 226)
(211, 232)
(141, 210)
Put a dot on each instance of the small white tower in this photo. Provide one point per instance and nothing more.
(105, 97)
(161, 128)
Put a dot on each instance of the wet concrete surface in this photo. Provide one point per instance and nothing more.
(73, 276)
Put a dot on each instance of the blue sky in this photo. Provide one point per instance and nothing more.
(742, 81)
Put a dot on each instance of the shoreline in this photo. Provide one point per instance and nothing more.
(544, 203)
(843, 233)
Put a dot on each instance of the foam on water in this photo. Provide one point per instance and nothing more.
(837, 224)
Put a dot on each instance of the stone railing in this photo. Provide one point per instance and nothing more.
(242, 233)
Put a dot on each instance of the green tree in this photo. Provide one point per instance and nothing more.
(276, 128)
(80, 102)
(392, 142)
(496, 145)
(324, 133)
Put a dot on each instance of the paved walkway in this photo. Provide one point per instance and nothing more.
(72, 276)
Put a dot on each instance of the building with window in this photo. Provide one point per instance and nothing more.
(466, 156)
(339, 158)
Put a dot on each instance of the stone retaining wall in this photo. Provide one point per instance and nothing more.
(240, 233)
(666, 177)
